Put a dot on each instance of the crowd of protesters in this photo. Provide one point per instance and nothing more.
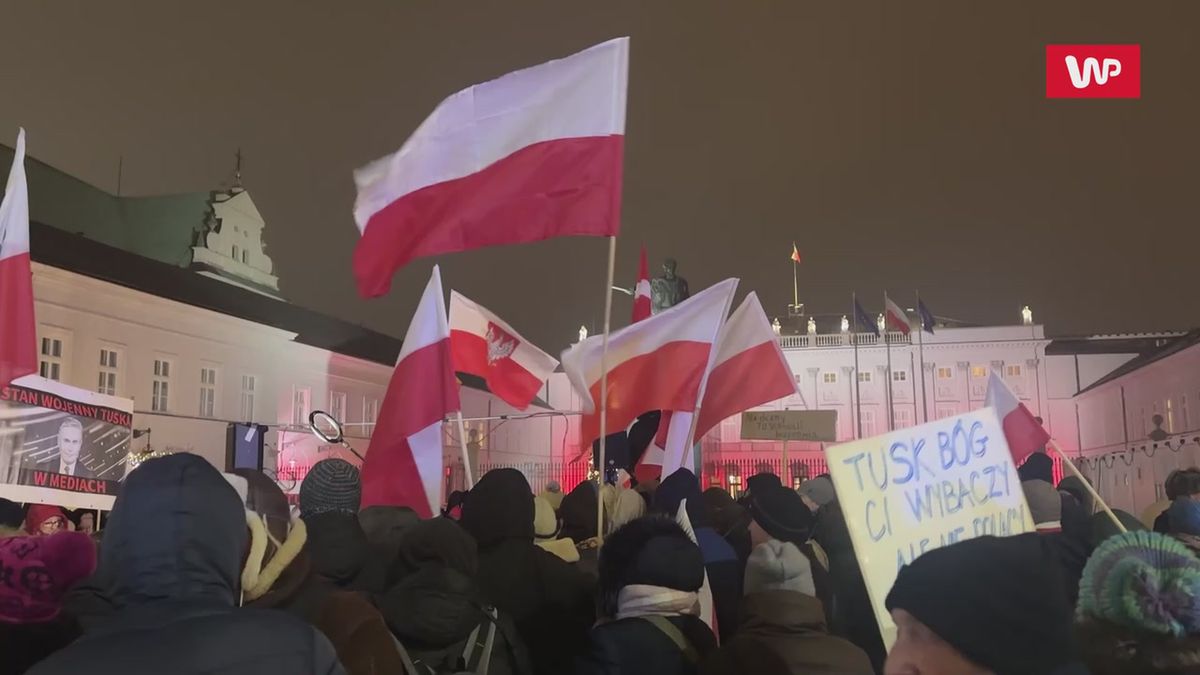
(196, 571)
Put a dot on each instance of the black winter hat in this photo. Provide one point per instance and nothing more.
(762, 481)
(1038, 466)
(781, 513)
(652, 550)
(1000, 601)
(500, 506)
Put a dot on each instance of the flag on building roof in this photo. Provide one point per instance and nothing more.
(863, 323)
(926, 317)
(403, 466)
(18, 329)
(895, 316)
(641, 293)
(484, 345)
(1025, 435)
(795, 253)
(534, 154)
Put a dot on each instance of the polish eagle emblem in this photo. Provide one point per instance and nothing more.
(500, 344)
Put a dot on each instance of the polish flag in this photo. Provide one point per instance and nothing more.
(895, 317)
(749, 370)
(18, 330)
(656, 364)
(403, 466)
(483, 345)
(531, 155)
(1024, 434)
(641, 294)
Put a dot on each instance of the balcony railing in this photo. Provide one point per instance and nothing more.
(842, 340)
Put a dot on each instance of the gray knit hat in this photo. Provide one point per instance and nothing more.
(778, 566)
(819, 490)
(332, 485)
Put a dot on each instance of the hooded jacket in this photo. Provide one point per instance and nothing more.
(172, 555)
(550, 601)
(852, 616)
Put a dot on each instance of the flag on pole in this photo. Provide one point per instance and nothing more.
(749, 369)
(895, 316)
(795, 253)
(482, 344)
(18, 330)
(656, 364)
(863, 321)
(1023, 432)
(531, 155)
(926, 317)
(641, 294)
(403, 466)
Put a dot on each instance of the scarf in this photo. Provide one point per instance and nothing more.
(637, 600)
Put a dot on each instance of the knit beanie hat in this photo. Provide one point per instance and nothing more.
(1145, 581)
(778, 566)
(40, 513)
(1045, 504)
(781, 513)
(1000, 601)
(763, 481)
(545, 523)
(332, 485)
(40, 570)
(1184, 516)
(819, 490)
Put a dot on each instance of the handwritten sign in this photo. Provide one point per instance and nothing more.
(917, 489)
(790, 425)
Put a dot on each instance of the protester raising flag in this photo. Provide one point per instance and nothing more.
(641, 293)
(656, 364)
(531, 155)
(403, 466)
(895, 316)
(18, 330)
(1023, 432)
(483, 345)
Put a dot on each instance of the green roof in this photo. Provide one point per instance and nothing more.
(162, 228)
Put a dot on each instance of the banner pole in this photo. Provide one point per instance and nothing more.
(608, 284)
(854, 339)
(462, 444)
(921, 350)
(1091, 490)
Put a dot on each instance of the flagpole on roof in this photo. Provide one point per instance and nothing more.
(921, 349)
(887, 397)
(612, 261)
(854, 340)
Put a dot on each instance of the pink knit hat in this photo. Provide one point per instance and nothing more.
(36, 572)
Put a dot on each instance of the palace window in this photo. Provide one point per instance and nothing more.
(107, 381)
(160, 392)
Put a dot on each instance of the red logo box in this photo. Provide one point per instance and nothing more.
(1093, 71)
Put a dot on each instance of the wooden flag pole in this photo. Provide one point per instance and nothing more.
(462, 442)
(1095, 495)
(608, 284)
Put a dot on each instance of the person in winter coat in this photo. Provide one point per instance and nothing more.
(627, 506)
(435, 609)
(172, 549)
(278, 574)
(1138, 613)
(720, 560)
(35, 573)
(1184, 520)
(650, 575)
(1179, 483)
(729, 519)
(553, 494)
(817, 492)
(1059, 516)
(989, 605)
(545, 532)
(337, 545)
(384, 526)
(578, 516)
(44, 519)
(853, 616)
(550, 601)
(779, 513)
(781, 614)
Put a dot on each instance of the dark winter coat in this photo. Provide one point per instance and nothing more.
(172, 555)
(23, 645)
(851, 616)
(638, 647)
(339, 551)
(792, 626)
(550, 601)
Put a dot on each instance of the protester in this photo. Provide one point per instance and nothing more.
(817, 492)
(578, 516)
(384, 526)
(627, 507)
(553, 494)
(12, 518)
(173, 548)
(761, 481)
(35, 573)
(650, 575)
(1180, 483)
(337, 546)
(780, 613)
(454, 504)
(720, 560)
(1138, 608)
(729, 519)
(549, 600)
(436, 611)
(545, 532)
(779, 513)
(1184, 521)
(44, 519)
(984, 605)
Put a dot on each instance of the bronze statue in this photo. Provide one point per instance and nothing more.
(668, 290)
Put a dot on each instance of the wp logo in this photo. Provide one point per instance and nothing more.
(1093, 71)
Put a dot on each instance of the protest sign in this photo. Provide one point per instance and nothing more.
(790, 425)
(917, 489)
(62, 445)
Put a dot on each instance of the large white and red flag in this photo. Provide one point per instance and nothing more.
(534, 154)
(482, 344)
(641, 293)
(655, 364)
(18, 330)
(895, 316)
(1025, 435)
(403, 466)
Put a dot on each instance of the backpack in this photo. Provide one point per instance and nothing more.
(451, 661)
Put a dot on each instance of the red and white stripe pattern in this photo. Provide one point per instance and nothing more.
(641, 293)
(403, 466)
(656, 364)
(18, 329)
(1025, 435)
(482, 344)
(895, 316)
(534, 154)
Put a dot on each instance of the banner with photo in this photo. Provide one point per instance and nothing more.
(62, 445)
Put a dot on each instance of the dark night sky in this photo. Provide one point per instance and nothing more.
(902, 145)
